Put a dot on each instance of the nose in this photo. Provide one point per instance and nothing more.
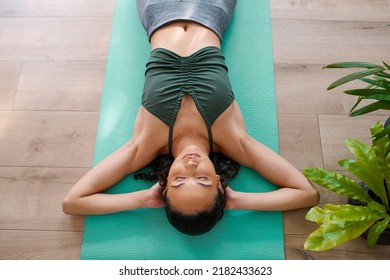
(191, 164)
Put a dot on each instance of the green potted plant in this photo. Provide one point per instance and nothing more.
(377, 80)
(341, 223)
(368, 210)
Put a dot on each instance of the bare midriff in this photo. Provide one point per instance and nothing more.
(184, 38)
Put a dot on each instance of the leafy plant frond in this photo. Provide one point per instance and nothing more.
(378, 86)
(383, 142)
(370, 175)
(381, 148)
(375, 82)
(357, 103)
(318, 215)
(387, 66)
(378, 208)
(352, 65)
(366, 167)
(336, 232)
(381, 134)
(383, 74)
(355, 76)
(371, 108)
(375, 231)
(379, 94)
(360, 150)
(337, 183)
(345, 212)
(384, 82)
(342, 223)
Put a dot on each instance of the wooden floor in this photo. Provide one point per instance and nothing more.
(52, 61)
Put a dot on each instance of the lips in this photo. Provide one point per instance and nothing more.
(191, 155)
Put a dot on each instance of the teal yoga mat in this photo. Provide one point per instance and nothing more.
(146, 233)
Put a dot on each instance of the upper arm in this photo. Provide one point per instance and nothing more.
(268, 163)
(249, 152)
(127, 159)
(148, 140)
(236, 143)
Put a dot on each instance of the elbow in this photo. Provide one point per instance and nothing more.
(313, 196)
(68, 206)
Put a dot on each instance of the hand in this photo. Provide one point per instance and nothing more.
(155, 197)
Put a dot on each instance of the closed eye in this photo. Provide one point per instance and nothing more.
(202, 181)
(179, 178)
(179, 181)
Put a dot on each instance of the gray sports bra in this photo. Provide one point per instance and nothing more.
(214, 14)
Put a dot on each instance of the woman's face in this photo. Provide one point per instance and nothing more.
(192, 181)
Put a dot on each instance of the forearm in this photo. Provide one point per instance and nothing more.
(87, 195)
(101, 203)
(279, 200)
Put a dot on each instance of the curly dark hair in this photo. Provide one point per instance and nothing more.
(200, 222)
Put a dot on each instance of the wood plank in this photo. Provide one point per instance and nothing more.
(295, 223)
(32, 197)
(353, 250)
(72, 86)
(56, 8)
(9, 78)
(54, 38)
(346, 10)
(56, 139)
(334, 129)
(300, 140)
(40, 245)
(324, 42)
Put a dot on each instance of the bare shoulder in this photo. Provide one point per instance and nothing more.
(150, 133)
(229, 131)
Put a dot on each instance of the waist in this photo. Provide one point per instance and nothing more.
(184, 38)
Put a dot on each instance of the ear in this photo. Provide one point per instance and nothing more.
(219, 186)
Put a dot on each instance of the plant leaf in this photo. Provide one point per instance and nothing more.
(351, 212)
(345, 212)
(373, 82)
(334, 233)
(387, 66)
(353, 65)
(361, 150)
(384, 74)
(382, 97)
(384, 82)
(337, 183)
(317, 214)
(375, 231)
(366, 168)
(378, 208)
(357, 103)
(354, 76)
(381, 147)
(379, 94)
(382, 79)
(382, 133)
(370, 175)
(370, 108)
